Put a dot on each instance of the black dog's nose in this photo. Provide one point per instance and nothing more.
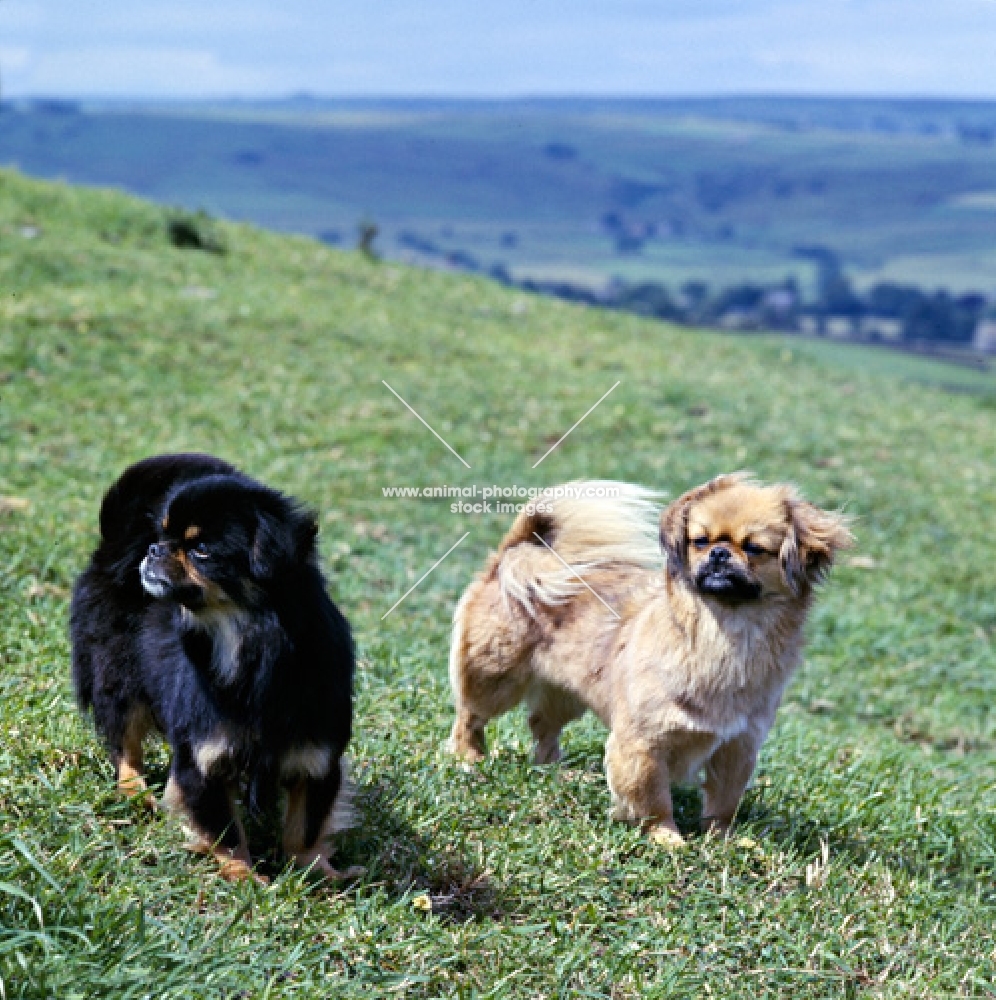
(157, 550)
(720, 554)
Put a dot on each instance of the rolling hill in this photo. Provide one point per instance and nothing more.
(720, 191)
(863, 863)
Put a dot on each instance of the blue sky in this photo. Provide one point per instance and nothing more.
(154, 48)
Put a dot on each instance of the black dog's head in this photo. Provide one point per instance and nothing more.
(225, 542)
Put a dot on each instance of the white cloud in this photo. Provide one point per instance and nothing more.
(142, 72)
(187, 48)
(15, 59)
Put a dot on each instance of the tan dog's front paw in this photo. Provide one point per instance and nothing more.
(467, 737)
(466, 752)
(666, 835)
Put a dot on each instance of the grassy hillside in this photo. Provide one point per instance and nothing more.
(865, 860)
(901, 190)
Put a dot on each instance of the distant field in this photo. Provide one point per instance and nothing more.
(890, 362)
(720, 191)
(864, 860)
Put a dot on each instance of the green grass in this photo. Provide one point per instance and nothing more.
(878, 776)
(874, 359)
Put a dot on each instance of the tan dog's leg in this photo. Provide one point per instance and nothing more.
(550, 709)
(491, 666)
(478, 702)
(488, 670)
(467, 735)
(641, 789)
(726, 775)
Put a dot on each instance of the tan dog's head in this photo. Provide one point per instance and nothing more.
(737, 541)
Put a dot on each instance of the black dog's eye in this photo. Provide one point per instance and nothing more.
(700, 543)
(200, 551)
(753, 549)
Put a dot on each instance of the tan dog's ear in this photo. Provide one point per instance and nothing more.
(674, 521)
(812, 543)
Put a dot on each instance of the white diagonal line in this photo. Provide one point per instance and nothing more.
(557, 444)
(574, 571)
(410, 589)
(445, 445)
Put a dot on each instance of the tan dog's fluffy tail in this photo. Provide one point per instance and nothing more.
(587, 525)
(343, 815)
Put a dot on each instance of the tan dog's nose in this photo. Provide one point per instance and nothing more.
(720, 554)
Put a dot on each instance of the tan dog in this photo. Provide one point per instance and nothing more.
(686, 666)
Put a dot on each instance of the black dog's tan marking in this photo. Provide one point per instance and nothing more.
(231, 850)
(203, 615)
(129, 760)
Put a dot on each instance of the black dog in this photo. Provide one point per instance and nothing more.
(203, 615)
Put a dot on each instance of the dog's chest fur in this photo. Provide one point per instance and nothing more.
(707, 669)
(215, 643)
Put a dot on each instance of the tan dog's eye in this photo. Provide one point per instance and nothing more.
(700, 543)
(199, 551)
(753, 549)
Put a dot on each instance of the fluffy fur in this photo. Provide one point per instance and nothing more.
(203, 615)
(684, 654)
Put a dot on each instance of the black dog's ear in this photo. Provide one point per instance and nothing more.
(674, 521)
(812, 543)
(281, 542)
(133, 505)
